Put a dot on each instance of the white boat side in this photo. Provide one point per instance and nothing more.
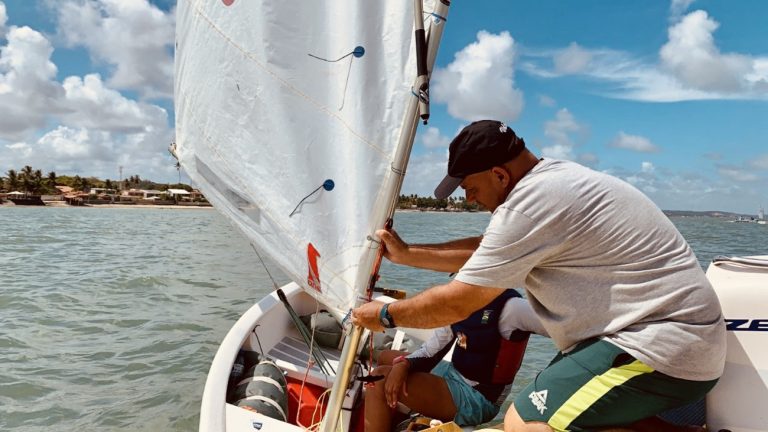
(214, 411)
(270, 315)
(738, 401)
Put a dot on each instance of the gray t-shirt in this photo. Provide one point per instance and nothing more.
(599, 259)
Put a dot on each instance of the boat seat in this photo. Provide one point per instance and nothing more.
(291, 354)
(397, 342)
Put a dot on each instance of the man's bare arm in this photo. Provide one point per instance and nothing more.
(446, 257)
(442, 305)
(436, 307)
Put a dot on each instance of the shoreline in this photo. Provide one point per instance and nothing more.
(61, 204)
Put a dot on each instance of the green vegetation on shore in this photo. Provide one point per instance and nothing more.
(32, 181)
(415, 202)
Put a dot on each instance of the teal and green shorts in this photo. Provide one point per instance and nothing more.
(472, 408)
(598, 385)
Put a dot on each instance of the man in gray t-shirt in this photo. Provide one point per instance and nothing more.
(618, 289)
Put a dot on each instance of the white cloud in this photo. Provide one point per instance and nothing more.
(547, 101)
(432, 138)
(479, 83)
(28, 91)
(99, 153)
(760, 162)
(682, 190)
(133, 36)
(693, 58)
(633, 142)
(30, 96)
(560, 133)
(677, 8)
(643, 182)
(736, 173)
(94, 106)
(65, 144)
(690, 67)
(647, 167)
(572, 60)
(3, 19)
(425, 171)
(78, 126)
(21, 149)
(589, 159)
(625, 76)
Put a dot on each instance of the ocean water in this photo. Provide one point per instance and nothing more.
(109, 318)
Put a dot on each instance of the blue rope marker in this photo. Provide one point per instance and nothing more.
(328, 185)
(358, 52)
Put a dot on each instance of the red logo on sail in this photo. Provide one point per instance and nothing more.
(228, 2)
(313, 278)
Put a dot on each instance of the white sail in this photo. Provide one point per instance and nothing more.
(274, 100)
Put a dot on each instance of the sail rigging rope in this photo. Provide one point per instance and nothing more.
(274, 283)
(304, 382)
(372, 284)
(309, 337)
(328, 185)
(358, 52)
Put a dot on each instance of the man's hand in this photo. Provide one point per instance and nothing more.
(396, 250)
(367, 316)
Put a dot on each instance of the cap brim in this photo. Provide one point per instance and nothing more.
(447, 186)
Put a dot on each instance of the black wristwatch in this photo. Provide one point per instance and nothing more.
(385, 319)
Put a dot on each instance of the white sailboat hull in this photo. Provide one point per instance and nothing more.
(276, 337)
(738, 401)
(215, 414)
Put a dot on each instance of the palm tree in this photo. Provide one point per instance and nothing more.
(84, 184)
(37, 181)
(26, 178)
(52, 179)
(13, 180)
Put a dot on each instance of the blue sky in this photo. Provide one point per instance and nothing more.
(670, 96)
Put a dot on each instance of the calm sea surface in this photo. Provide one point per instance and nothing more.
(109, 318)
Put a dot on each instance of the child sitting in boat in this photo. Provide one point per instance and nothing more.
(469, 390)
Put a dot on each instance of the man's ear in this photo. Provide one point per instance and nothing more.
(502, 175)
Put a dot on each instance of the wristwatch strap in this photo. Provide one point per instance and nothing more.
(385, 319)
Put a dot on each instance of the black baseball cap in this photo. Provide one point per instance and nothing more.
(478, 147)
